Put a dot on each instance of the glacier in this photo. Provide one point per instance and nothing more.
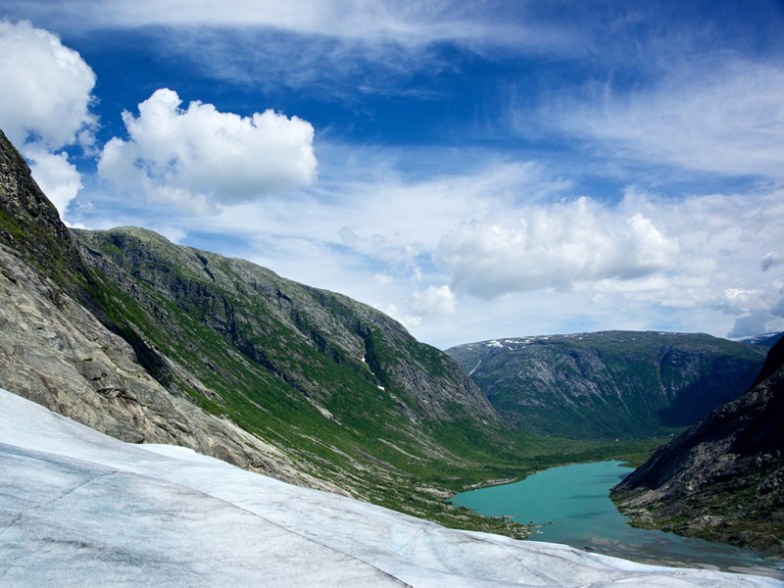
(78, 508)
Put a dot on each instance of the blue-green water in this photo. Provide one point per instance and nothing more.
(571, 505)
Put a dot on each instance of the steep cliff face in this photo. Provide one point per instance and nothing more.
(31, 227)
(723, 479)
(609, 384)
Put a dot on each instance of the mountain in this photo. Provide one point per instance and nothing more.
(310, 370)
(81, 509)
(723, 479)
(59, 347)
(158, 343)
(765, 339)
(31, 227)
(609, 384)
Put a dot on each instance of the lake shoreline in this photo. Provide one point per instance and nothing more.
(514, 480)
(577, 503)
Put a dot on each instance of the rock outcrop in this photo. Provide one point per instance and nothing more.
(31, 227)
(722, 480)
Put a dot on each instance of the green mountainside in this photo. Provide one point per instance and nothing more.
(153, 342)
(312, 371)
(723, 479)
(609, 384)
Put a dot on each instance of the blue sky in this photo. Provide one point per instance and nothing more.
(474, 169)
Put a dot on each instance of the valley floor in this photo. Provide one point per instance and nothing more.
(80, 508)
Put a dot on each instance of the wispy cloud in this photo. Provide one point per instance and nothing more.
(730, 122)
(404, 22)
(340, 48)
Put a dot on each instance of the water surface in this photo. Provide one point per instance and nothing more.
(571, 505)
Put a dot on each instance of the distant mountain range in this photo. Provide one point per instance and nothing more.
(609, 384)
(766, 339)
(723, 479)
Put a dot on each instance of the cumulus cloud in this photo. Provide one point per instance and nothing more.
(55, 175)
(45, 105)
(436, 300)
(553, 246)
(46, 87)
(755, 310)
(200, 156)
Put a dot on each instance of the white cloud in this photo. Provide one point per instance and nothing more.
(383, 279)
(46, 87)
(433, 300)
(45, 105)
(370, 20)
(722, 239)
(730, 122)
(372, 214)
(750, 324)
(55, 175)
(199, 156)
(754, 310)
(553, 246)
(373, 233)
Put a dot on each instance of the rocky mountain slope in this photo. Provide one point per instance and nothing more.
(609, 384)
(153, 342)
(723, 479)
(59, 348)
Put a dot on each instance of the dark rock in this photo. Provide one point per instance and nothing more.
(723, 479)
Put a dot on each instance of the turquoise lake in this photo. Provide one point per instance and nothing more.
(571, 505)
